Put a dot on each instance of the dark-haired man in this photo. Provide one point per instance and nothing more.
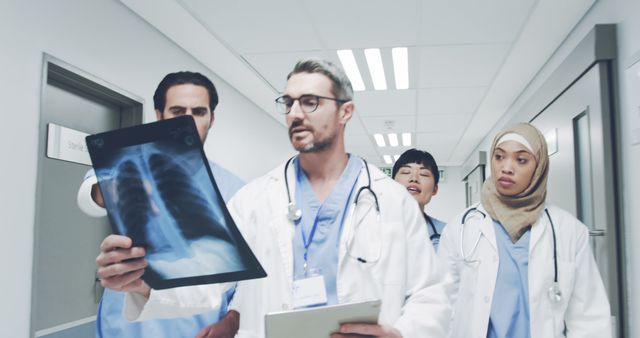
(180, 93)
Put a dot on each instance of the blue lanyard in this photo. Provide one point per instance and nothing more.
(339, 189)
(304, 239)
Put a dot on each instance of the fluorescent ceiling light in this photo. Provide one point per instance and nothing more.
(379, 140)
(387, 159)
(351, 68)
(406, 139)
(393, 139)
(374, 60)
(401, 67)
(396, 157)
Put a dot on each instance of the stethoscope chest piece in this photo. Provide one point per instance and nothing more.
(293, 212)
(554, 293)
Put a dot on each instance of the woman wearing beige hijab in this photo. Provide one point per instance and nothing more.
(518, 266)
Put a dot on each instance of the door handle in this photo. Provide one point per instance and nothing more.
(597, 232)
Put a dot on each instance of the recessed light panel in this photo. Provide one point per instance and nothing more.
(374, 60)
(401, 67)
(406, 139)
(351, 68)
(393, 139)
(379, 140)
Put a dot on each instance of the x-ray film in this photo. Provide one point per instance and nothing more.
(159, 191)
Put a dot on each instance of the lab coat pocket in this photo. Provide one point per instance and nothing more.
(468, 279)
(365, 242)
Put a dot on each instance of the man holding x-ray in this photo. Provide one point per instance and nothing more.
(327, 227)
(178, 94)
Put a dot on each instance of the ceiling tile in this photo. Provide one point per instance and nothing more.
(461, 65)
(452, 124)
(471, 22)
(354, 140)
(365, 23)
(385, 102)
(355, 127)
(396, 124)
(441, 153)
(436, 138)
(274, 67)
(441, 144)
(449, 100)
(257, 26)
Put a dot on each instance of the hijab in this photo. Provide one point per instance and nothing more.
(517, 213)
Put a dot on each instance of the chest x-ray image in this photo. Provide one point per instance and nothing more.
(159, 191)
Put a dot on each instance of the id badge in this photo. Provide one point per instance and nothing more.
(309, 291)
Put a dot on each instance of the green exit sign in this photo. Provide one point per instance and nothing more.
(386, 171)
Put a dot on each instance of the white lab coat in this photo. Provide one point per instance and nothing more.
(401, 267)
(584, 306)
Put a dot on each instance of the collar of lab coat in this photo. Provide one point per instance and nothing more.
(376, 175)
(487, 228)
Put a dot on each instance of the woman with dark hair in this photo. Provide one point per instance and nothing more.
(519, 266)
(418, 171)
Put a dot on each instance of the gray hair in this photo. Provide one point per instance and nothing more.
(341, 86)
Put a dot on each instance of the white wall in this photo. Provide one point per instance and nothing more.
(244, 139)
(626, 14)
(106, 40)
(450, 199)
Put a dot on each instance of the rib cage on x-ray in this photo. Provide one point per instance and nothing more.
(133, 203)
(184, 202)
(179, 194)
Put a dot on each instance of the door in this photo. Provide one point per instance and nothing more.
(473, 185)
(577, 126)
(65, 292)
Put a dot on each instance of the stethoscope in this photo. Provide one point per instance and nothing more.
(436, 235)
(294, 213)
(554, 293)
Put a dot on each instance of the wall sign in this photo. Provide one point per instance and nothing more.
(67, 144)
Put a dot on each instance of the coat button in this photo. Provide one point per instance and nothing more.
(285, 306)
(495, 258)
(486, 299)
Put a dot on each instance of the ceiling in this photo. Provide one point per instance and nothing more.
(469, 60)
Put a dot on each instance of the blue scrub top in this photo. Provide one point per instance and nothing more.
(510, 308)
(111, 324)
(327, 219)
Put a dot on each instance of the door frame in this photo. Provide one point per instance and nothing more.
(58, 71)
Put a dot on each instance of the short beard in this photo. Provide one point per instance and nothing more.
(316, 147)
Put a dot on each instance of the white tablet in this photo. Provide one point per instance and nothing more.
(319, 322)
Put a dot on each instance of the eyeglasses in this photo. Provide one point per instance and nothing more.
(308, 103)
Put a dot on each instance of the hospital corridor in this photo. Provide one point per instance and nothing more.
(514, 125)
